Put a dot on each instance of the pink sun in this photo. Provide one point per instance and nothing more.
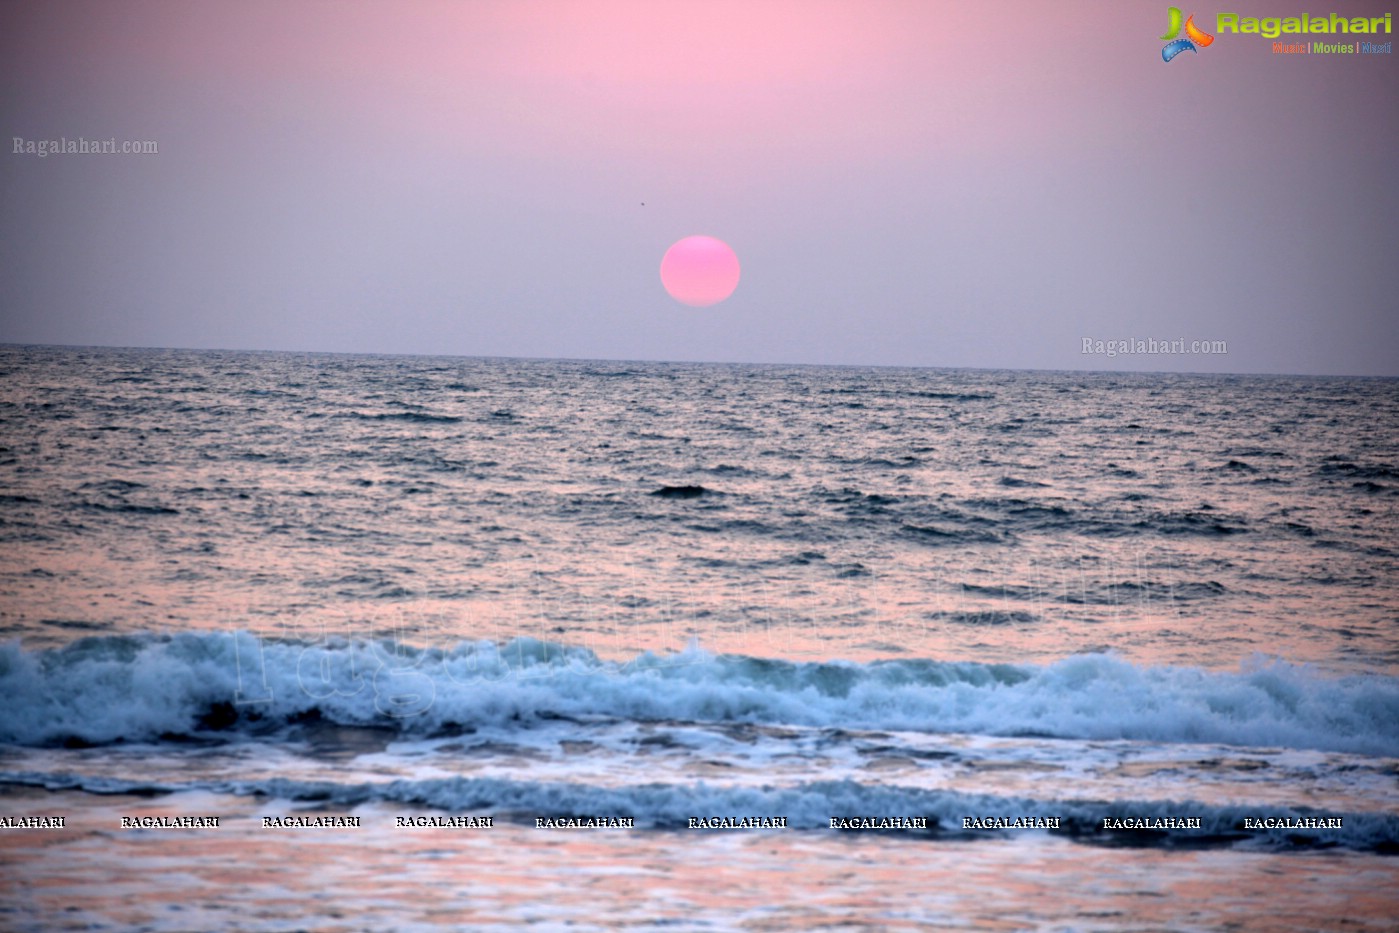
(699, 271)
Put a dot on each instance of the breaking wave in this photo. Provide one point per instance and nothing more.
(146, 687)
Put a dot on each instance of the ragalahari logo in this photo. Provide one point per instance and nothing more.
(1194, 36)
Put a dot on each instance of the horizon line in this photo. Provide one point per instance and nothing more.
(696, 362)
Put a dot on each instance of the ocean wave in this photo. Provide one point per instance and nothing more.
(414, 417)
(147, 687)
(807, 806)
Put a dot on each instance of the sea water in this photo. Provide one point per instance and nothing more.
(662, 596)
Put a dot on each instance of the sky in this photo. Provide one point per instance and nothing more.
(954, 183)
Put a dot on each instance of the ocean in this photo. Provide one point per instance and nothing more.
(449, 643)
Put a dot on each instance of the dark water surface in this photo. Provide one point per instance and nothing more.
(254, 583)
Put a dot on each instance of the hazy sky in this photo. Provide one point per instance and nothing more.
(911, 183)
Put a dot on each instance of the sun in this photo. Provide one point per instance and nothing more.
(699, 271)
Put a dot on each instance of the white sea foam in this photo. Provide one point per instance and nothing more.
(806, 806)
(140, 688)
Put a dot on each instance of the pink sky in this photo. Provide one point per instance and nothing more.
(975, 184)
